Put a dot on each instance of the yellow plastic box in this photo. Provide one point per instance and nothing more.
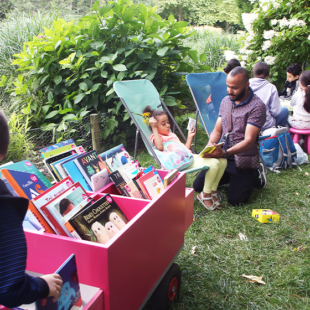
(266, 215)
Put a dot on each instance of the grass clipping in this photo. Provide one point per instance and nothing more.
(254, 279)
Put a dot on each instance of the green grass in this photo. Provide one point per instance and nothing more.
(212, 278)
(213, 45)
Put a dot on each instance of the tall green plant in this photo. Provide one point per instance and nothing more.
(70, 68)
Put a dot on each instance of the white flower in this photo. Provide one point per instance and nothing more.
(269, 34)
(295, 22)
(248, 52)
(244, 57)
(242, 50)
(274, 22)
(248, 19)
(259, 58)
(284, 22)
(242, 63)
(270, 60)
(266, 45)
(276, 5)
(229, 55)
(309, 37)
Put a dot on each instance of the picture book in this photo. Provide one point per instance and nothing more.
(137, 183)
(133, 191)
(118, 181)
(191, 124)
(144, 178)
(75, 174)
(57, 163)
(100, 180)
(154, 186)
(52, 192)
(89, 165)
(56, 146)
(124, 158)
(112, 160)
(30, 222)
(33, 185)
(59, 150)
(74, 197)
(129, 172)
(172, 175)
(70, 295)
(209, 149)
(55, 158)
(152, 168)
(100, 221)
(122, 169)
(27, 166)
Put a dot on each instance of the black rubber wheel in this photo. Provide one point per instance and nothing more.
(168, 290)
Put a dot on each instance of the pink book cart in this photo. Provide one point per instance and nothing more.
(135, 266)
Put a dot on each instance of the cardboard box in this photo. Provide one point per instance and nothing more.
(266, 215)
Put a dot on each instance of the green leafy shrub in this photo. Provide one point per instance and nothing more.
(70, 68)
(278, 33)
(21, 145)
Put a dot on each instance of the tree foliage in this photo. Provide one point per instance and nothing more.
(278, 33)
(71, 67)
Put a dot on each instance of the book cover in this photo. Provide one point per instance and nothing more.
(154, 186)
(21, 192)
(124, 158)
(129, 172)
(123, 174)
(31, 222)
(55, 158)
(100, 222)
(143, 179)
(55, 210)
(170, 177)
(209, 149)
(135, 180)
(118, 181)
(110, 157)
(100, 180)
(27, 166)
(59, 150)
(152, 168)
(56, 146)
(75, 174)
(133, 190)
(57, 163)
(89, 165)
(70, 296)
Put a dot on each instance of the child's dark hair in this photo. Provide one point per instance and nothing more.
(261, 70)
(63, 205)
(153, 113)
(5, 134)
(305, 81)
(294, 69)
(231, 64)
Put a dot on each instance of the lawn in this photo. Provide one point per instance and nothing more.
(279, 252)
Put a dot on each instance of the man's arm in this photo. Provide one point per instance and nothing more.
(251, 133)
(216, 134)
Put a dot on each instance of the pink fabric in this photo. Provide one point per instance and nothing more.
(170, 137)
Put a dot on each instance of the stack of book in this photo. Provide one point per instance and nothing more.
(65, 207)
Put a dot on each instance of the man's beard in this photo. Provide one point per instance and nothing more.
(240, 96)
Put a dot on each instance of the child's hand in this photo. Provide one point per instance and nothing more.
(191, 132)
(54, 283)
(153, 122)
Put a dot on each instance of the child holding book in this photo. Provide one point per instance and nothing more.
(16, 287)
(159, 123)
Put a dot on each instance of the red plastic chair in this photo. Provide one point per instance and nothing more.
(295, 136)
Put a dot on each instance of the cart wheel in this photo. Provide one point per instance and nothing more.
(167, 292)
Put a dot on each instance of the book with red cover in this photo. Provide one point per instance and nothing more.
(51, 218)
(141, 181)
(21, 192)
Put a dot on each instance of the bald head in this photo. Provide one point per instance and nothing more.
(242, 71)
(4, 136)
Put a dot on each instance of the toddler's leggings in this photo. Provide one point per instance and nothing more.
(214, 174)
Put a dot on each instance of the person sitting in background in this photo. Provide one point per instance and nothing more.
(267, 92)
(231, 64)
(292, 83)
(301, 104)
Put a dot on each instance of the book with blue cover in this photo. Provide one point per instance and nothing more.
(75, 174)
(27, 166)
(151, 168)
(111, 159)
(70, 295)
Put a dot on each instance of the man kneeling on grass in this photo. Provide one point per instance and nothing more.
(241, 117)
